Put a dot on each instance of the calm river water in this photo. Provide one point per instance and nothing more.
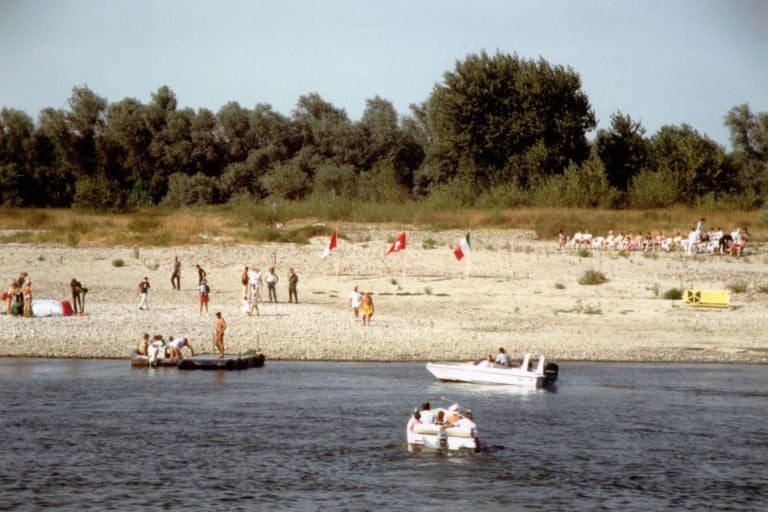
(99, 435)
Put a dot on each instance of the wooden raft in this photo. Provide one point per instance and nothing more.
(204, 362)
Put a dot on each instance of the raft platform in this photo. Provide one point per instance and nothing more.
(204, 362)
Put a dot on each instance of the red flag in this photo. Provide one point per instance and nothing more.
(398, 245)
(331, 245)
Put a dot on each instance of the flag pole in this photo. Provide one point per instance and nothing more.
(469, 257)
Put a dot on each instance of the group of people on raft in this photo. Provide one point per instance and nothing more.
(443, 418)
(170, 348)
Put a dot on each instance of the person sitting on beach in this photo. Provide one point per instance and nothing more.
(143, 345)
(427, 416)
(502, 357)
(415, 420)
(177, 344)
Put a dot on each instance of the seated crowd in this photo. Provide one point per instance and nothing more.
(714, 241)
(168, 349)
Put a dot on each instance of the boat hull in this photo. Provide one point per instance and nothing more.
(433, 438)
(462, 372)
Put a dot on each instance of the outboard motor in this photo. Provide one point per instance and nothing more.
(442, 439)
(550, 373)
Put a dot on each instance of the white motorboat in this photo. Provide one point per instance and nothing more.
(534, 372)
(430, 436)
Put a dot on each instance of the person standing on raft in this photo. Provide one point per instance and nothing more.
(218, 339)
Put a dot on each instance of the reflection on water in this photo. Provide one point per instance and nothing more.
(100, 435)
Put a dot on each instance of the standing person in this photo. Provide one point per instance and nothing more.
(201, 275)
(700, 227)
(254, 280)
(293, 281)
(76, 288)
(244, 282)
(10, 293)
(218, 339)
(27, 290)
(176, 274)
(272, 280)
(204, 291)
(144, 293)
(355, 300)
(367, 308)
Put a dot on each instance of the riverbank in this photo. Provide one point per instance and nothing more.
(513, 291)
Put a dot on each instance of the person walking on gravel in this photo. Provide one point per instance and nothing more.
(144, 293)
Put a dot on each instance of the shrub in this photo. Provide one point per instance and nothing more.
(762, 288)
(100, 194)
(584, 253)
(560, 286)
(427, 290)
(652, 189)
(429, 243)
(737, 287)
(592, 277)
(117, 263)
(673, 294)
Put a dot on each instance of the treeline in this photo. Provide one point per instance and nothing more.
(497, 131)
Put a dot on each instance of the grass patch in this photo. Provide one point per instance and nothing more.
(441, 295)
(117, 263)
(592, 277)
(737, 286)
(762, 288)
(299, 235)
(582, 309)
(427, 290)
(584, 253)
(429, 243)
(560, 286)
(143, 224)
(673, 294)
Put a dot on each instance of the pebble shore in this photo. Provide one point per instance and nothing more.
(512, 291)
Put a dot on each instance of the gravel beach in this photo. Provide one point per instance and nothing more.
(512, 291)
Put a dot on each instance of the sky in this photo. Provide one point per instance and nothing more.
(660, 61)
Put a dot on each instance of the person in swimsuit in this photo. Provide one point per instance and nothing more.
(143, 345)
(27, 290)
(204, 291)
(367, 308)
(218, 339)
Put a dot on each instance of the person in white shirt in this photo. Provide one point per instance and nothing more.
(176, 344)
(355, 301)
(272, 280)
(502, 357)
(254, 283)
(693, 242)
(466, 421)
(427, 416)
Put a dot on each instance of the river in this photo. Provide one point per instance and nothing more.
(98, 435)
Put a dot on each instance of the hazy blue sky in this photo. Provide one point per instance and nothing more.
(662, 61)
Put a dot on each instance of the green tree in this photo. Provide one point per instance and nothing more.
(693, 161)
(491, 110)
(623, 150)
(749, 137)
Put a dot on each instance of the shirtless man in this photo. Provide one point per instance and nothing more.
(176, 274)
(201, 275)
(143, 345)
(218, 339)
